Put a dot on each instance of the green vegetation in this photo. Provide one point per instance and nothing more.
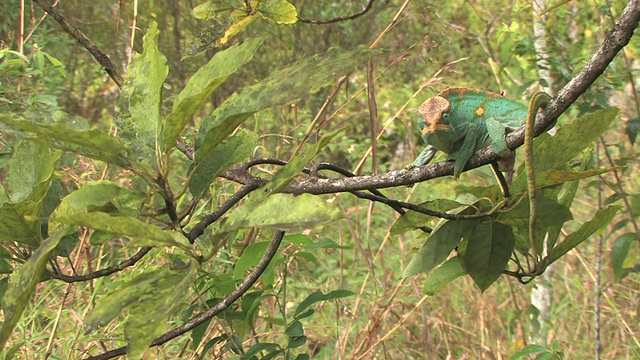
(228, 181)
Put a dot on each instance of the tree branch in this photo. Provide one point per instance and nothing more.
(339, 18)
(102, 58)
(216, 309)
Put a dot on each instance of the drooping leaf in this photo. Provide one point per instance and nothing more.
(250, 257)
(28, 179)
(242, 21)
(619, 254)
(93, 143)
(102, 196)
(22, 284)
(633, 126)
(231, 151)
(435, 250)
(150, 299)
(282, 87)
(484, 254)
(412, 220)
(138, 107)
(144, 234)
(550, 213)
(317, 296)
(202, 84)
(600, 219)
(294, 213)
(443, 275)
(280, 11)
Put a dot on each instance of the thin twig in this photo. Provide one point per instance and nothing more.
(339, 18)
(102, 58)
(100, 273)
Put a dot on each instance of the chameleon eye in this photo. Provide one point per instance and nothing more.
(445, 115)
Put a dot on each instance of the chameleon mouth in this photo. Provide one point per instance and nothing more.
(435, 127)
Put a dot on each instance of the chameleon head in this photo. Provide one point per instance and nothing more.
(432, 111)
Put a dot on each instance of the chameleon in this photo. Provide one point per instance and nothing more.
(458, 121)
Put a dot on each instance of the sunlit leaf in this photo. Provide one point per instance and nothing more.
(22, 284)
(282, 87)
(294, 213)
(280, 11)
(202, 84)
(138, 107)
(231, 151)
(212, 9)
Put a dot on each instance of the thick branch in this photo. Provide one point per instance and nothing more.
(102, 58)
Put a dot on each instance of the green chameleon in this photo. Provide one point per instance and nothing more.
(459, 121)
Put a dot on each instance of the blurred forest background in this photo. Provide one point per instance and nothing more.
(426, 46)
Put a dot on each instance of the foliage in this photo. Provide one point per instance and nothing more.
(148, 201)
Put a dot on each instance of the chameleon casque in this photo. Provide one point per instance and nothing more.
(459, 121)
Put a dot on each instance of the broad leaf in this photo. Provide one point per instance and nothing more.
(435, 250)
(22, 284)
(102, 196)
(231, 151)
(550, 213)
(602, 218)
(202, 84)
(138, 107)
(150, 298)
(280, 11)
(567, 143)
(144, 234)
(294, 213)
(443, 275)
(93, 143)
(412, 220)
(486, 251)
(318, 296)
(283, 87)
(619, 253)
(633, 126)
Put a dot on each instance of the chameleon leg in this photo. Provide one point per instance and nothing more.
(424, 158)
(465, 152)
(497, 132)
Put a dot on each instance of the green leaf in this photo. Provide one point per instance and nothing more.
(282, 87)
(250, 257)
(443, 275)
(550, 213)
(295, 329)
(294, 213)
(280, 11)
(567, 143)
(93, 143)
(619, 254)
(49, 100)
(202, 84)
(231, 151)
(600, 219)
(528, 350)
(22, 284)
(633, 126)
(212, 9)
(293, 168)
(412, 220)
(257, 348)
(138, 107)
(144, 234)
(295, 342)
(435, 250)
(102, 196)
(150, 298)
(484, 254)
(30, 169)
(317, 296)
